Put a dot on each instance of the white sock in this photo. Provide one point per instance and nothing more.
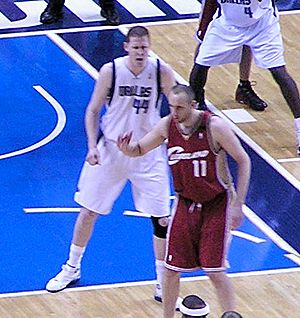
(297, 127)
(160, 270)
(75, 255)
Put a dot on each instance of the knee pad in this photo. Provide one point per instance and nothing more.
(160, 226)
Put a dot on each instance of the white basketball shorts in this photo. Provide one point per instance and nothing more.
(100, 185)
(222, 44)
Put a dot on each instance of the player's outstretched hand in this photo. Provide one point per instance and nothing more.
(123, 142)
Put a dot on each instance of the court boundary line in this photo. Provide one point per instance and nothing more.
(107, 27)
(59, 126)
(148, 282)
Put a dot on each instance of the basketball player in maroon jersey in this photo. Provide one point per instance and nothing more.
(207, 205)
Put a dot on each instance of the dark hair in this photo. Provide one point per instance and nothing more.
(231, 314)
(194, 306)
(187, 90)
(137, 31)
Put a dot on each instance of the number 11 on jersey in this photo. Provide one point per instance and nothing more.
(200, 168)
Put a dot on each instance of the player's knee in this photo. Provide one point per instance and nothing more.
(217, 277)
(198, 75)
(160, 226)
(87, 216)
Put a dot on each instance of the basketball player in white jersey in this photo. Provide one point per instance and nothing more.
(130, 86)
(254, 23)
(244, 93)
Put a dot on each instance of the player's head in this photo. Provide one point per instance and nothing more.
(231, 314)
(182, 101)
(194, 306)
(137, 45)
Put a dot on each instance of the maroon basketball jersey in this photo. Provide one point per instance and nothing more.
(196, 169)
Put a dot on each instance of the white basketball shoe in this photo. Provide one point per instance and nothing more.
(67, 276)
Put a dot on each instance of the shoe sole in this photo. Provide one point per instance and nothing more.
(256, 109)
(58, 290)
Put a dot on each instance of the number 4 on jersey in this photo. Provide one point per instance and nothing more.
(249, 12)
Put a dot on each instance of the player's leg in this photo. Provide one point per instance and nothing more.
(92, 195)
(160, 225)
(198, 78)
(244, 93)
(220, 46)
(170, 293)
(290, 93)
(267, 49)
(109, 12)
(213, 246)
(70, 272)
(224, 289)
(151, 193)
(53, 12)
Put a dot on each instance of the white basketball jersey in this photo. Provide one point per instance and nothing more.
(134, 103)
(243, 13)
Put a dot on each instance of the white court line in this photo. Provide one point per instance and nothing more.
(294, 258)
(61, 122)
(149, 282)
(247, 236)
(107, 27)
(288, 160)
(50, 210)
(269, 231)
(76, 57)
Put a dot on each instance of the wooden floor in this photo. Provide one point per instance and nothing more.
(265, 296)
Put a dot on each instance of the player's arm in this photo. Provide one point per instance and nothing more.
(99, 95)
(225, 137)
(208, 9)
(167, 78)
(98, 98)
(150, 141)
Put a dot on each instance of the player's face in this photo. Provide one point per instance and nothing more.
(181, 109)
(138, 50)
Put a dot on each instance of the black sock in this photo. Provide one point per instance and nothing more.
(245, 83)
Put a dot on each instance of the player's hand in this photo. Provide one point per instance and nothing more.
(199, 41)
(123, 142)
(197, 36)
(93, 157)
(236, 215)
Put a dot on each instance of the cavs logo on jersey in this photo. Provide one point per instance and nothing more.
(177, 153)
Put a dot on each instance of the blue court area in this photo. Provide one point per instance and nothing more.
(37, 174)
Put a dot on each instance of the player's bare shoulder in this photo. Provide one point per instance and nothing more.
(167, 77)
(106, 71)
(104, 80)
(218, 124)
(163, 125)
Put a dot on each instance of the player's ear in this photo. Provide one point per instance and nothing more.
(194, 104)
(125, 46)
